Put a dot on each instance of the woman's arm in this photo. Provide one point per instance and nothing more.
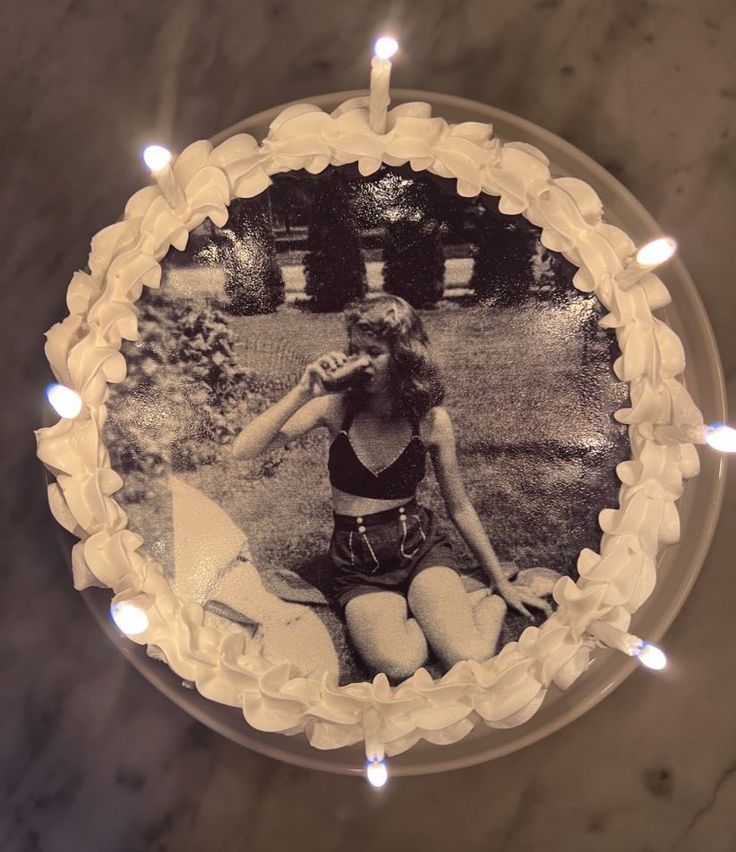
(302, 409)
(442, 448)
(293, 415)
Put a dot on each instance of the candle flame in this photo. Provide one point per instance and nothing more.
(385, 47)
(656, 252)
(65, 402)
(131, 619)
(721, 437)
(650, 656)
(377, 772)
(156, 157)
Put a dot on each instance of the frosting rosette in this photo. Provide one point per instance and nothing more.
(226, 664)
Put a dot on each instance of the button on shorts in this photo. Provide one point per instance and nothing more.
(385, 551)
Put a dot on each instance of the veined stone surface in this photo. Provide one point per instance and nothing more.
(92, 756)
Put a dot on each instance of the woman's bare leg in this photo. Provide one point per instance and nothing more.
(384, 636)
(458, 625)
(489, 611)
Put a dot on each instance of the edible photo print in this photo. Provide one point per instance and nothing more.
(369, 422)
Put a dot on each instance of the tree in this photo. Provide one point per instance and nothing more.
(253, 280)
(504, 249)
(333, 266)
(414, 262)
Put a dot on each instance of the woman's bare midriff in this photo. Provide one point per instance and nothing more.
(356, 507)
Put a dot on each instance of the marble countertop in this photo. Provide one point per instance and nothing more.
(92, 756)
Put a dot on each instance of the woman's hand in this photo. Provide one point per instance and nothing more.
(517, 595)
(316, 373)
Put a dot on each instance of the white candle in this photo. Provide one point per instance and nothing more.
(648, 655)
(383, 49)
(647, 259)
(372, 729)
(158, 160)
(719, 436)
(614, 638)
(671, 434)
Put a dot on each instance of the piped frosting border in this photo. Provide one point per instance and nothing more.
(84, 353)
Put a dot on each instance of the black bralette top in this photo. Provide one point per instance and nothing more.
(398, 480)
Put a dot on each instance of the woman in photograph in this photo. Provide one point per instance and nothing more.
(397, 578)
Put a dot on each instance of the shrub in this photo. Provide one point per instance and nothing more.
(184, 396)
(502, 270)
(414, 262)
(253, 280)
(333, 266)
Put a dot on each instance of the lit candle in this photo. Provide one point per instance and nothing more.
(65, 402)
(377, 772)
(158, 160)
(129, 616)
(648, 655)
(383, 50)
(671, 434)
(647, 259)
(651, 656)
(375, 764)
(719, 436)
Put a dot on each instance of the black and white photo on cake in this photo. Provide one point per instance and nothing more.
(363, 423)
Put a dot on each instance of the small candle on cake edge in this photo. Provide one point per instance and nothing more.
(158, 160)
(383, 49)
(650, 256)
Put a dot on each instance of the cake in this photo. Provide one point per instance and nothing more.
(221, 485)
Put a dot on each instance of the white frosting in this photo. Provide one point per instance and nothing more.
(223, 663)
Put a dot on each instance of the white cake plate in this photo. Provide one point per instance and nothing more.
(678, 567)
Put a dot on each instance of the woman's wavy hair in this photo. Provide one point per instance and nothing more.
(415, 377)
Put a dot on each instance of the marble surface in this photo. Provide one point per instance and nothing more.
(92, 756)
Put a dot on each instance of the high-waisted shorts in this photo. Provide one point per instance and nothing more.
(385, 551)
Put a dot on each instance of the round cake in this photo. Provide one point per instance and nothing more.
(379, 436)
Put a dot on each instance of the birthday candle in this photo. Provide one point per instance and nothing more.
(383, 49)
(647, 259)
(158, 160)
(648, 655)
